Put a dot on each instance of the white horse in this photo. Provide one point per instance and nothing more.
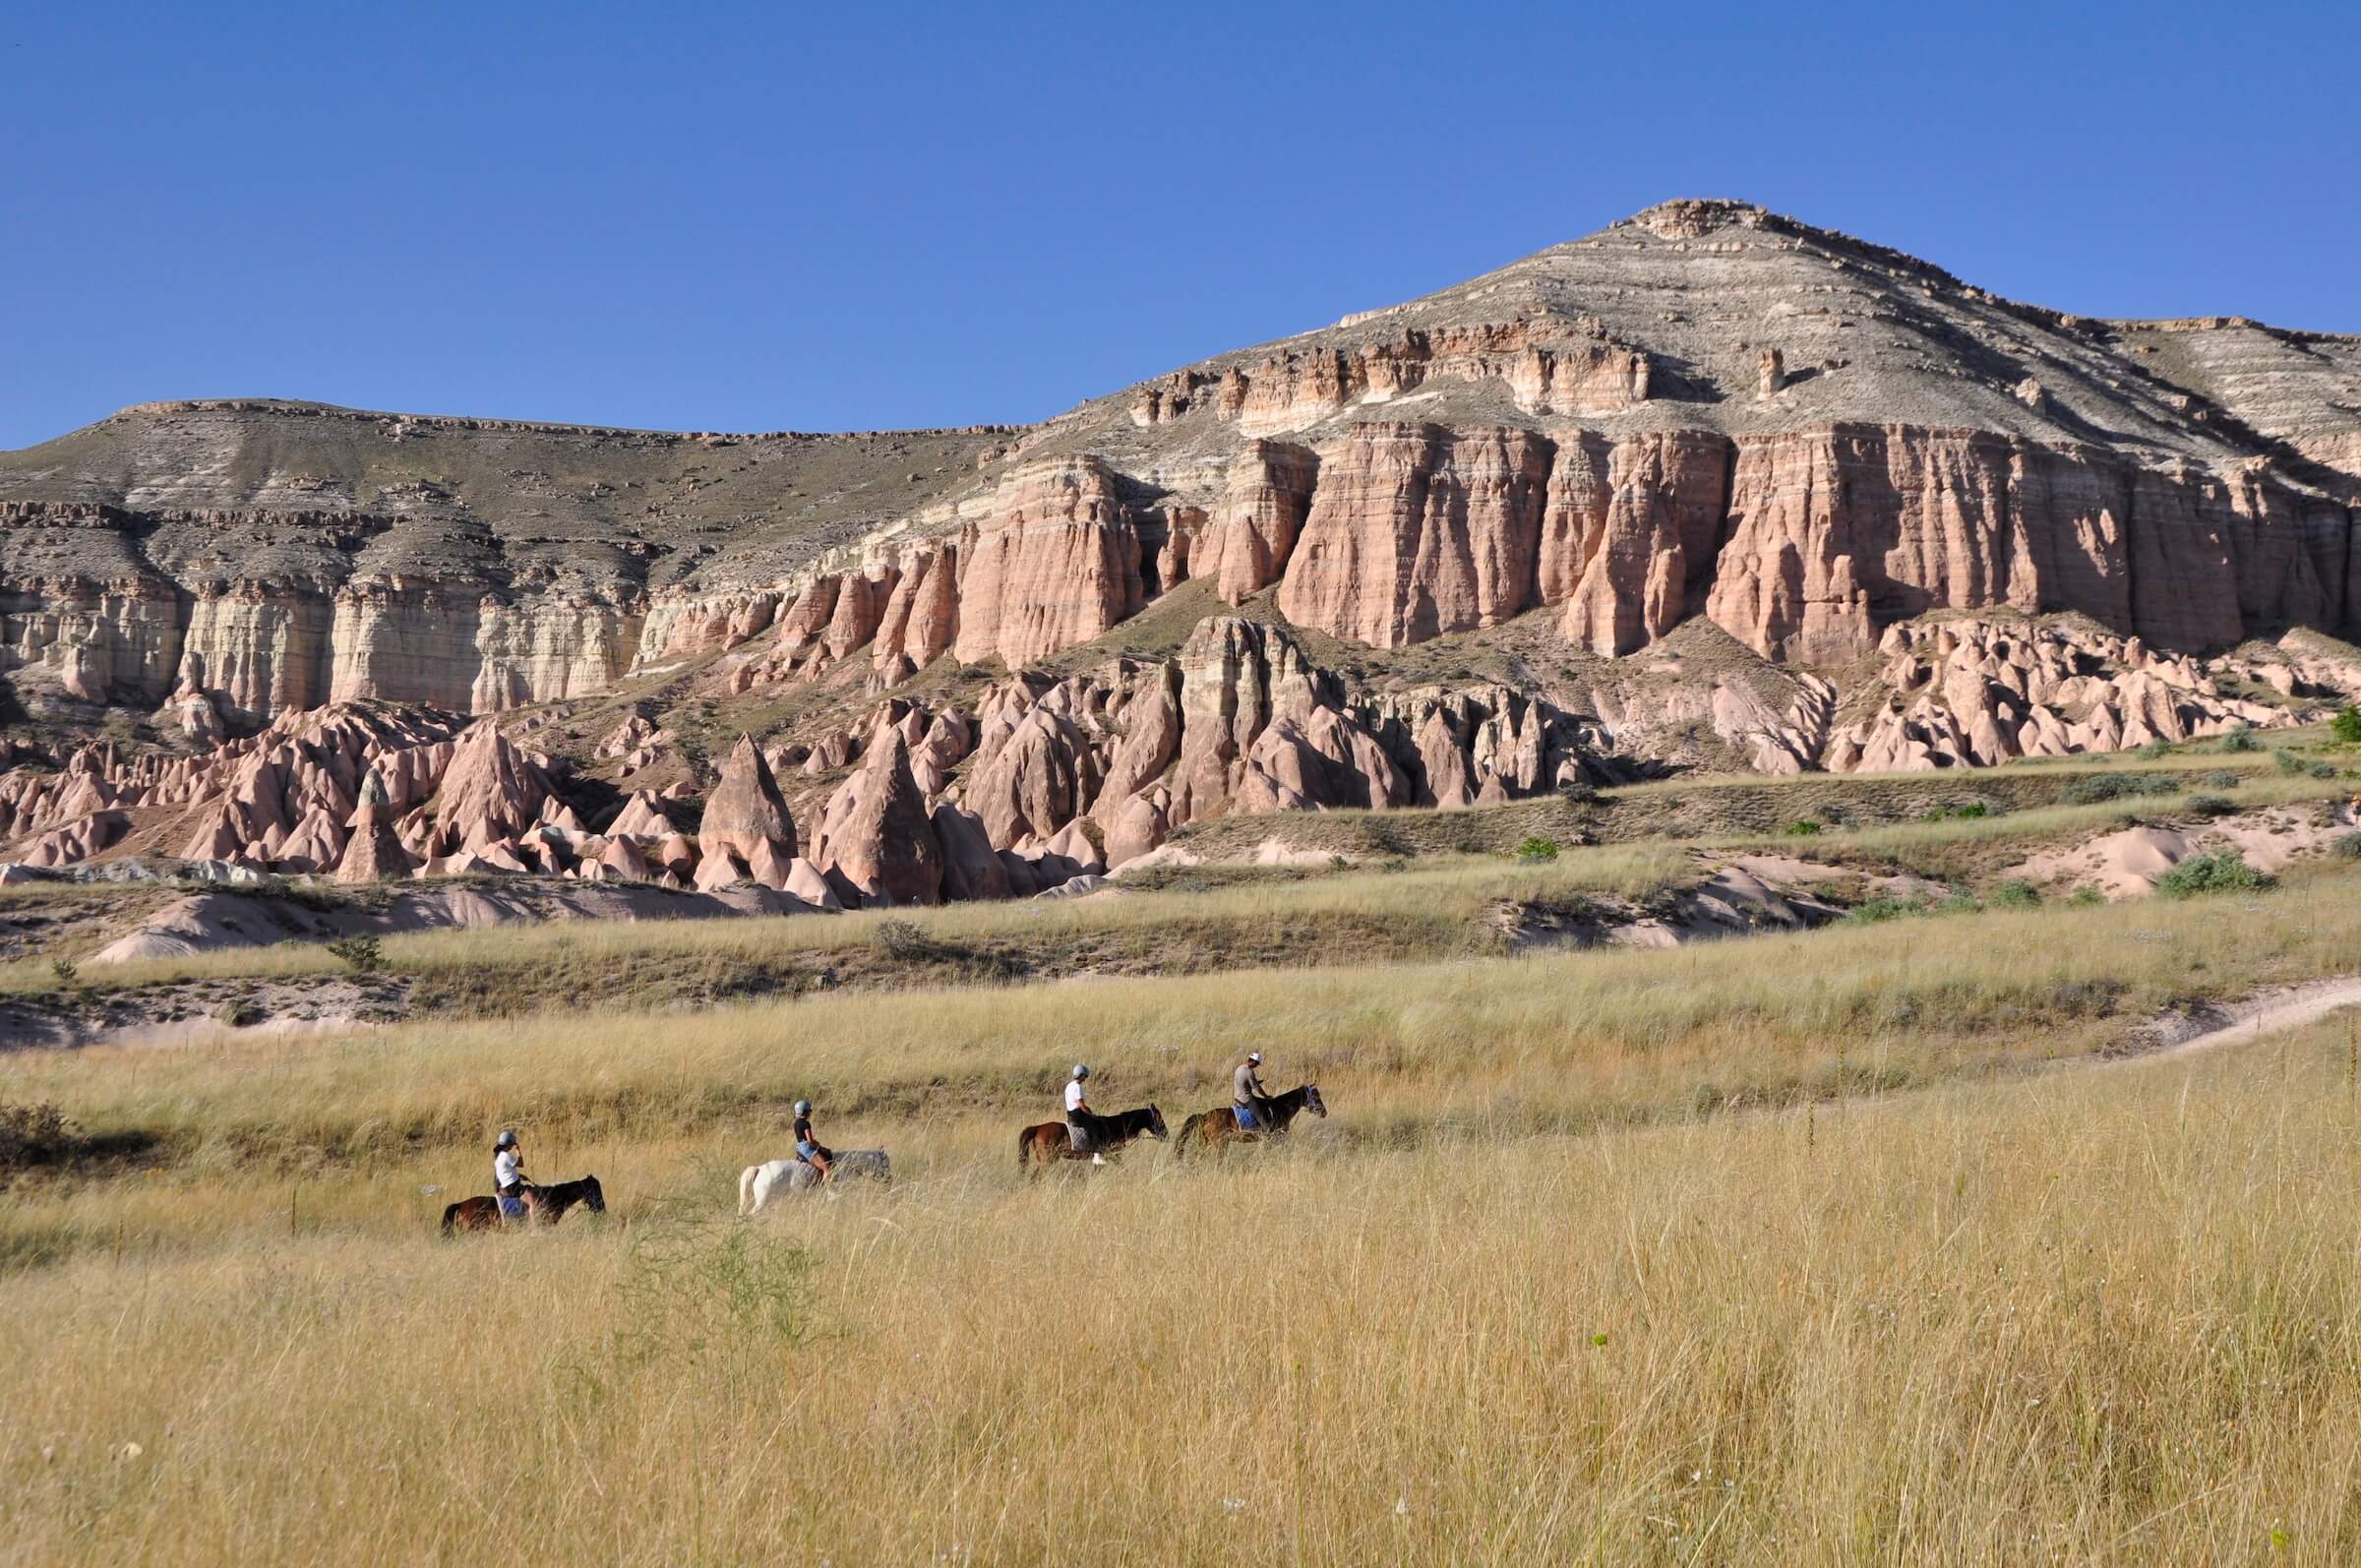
(758, 1184)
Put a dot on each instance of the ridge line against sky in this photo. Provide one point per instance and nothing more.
(936, 218)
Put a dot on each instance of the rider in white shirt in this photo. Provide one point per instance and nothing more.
(1077, 1106)
(508, 1177)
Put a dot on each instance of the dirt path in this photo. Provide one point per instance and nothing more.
(2266, 1012)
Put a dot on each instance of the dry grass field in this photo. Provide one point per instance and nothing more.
(1838, 1247)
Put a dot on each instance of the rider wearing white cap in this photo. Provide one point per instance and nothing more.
(508, 1176)
(1077, 1113)
(1249, 1100)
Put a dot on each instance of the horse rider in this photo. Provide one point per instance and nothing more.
(1249, 1101)
(808, 1147)
(508, 1177)
(1078, 1110)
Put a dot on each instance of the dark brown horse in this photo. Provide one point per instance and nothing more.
(1042, 1142)
(1216, 1130)
(542, 1205)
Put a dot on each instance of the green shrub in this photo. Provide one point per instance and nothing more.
(2347, 846)
(2153, 750)
(2222, 872)
(35, 1135)
(2240, 737)
(1884, 907)
(1959, 904)
(903, 941)
(1537, 848)
(1578, 793)
(2100, 787)
(2016, 893)
(2291, 765)
(2212, 805)
(2223, 779)
(67, 974)
(2347, 725)
(361, 954)
(1801, 827)
(2085, 896)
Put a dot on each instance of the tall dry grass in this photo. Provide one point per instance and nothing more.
(1555, 1042)
(2093, 1317)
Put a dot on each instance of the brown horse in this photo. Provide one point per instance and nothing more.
(1044, 1141)
(542, 1205)
(1216, 1130)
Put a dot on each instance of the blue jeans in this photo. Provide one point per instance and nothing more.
(1248, 1122)
(512, 1206)
(806, 1150)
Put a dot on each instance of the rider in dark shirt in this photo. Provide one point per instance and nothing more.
(808, 1147)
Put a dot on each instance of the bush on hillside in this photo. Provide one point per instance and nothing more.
(360, 954)
(2241, 738)
(1884, 907)
(2347, 725)
(2212, 805)
(2153, 750)
(2100, 787)
(35, 1135)
(1538, 849)
(2016, 893)
(2303, 767)
(903, 941)
(2222, 872)
(2347, 846)
(2223, 779)
(2085, 896)
(1801, 827)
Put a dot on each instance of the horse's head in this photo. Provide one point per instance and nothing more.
(593, 1198)
(1155, 1122)
(1313, 1102)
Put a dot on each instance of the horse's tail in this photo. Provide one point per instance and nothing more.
(450, 1219)
(1181, 1142)
(1024, 1148)
(746, 1188)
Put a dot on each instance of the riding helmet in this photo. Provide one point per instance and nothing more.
(1255, 1057)
(803, 1108)
(1080, 1071)
(508, 1140)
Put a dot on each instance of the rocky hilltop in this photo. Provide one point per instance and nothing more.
(1708, 488)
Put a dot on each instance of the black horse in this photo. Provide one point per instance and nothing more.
(1045, 1141)
(545, 1205)
(1216, 1130)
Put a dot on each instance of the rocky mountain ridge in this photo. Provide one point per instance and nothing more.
(1713, 487)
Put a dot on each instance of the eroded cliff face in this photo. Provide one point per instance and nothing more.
(1416, 531)
(1704, 419)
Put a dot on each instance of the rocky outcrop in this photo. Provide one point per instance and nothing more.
(1630, 526)
(746, 813)
(879, 835)
(1056, 563)
(1975, 691)
(1266, 495)
(1417, 530)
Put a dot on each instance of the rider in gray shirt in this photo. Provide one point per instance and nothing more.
(1246, 1094)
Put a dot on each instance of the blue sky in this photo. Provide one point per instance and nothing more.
(777, 216)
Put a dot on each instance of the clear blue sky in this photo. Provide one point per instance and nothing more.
(766, 217)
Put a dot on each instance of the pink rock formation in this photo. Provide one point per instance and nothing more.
(1269, 491)
(746, 808)
(1627, 526)
(1056, 563)
(881, 839)
(1416, 531)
